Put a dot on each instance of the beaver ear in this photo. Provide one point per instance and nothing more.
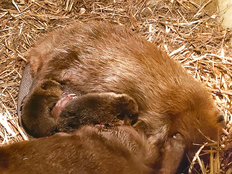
(221, 121)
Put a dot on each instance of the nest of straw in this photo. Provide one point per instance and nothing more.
(184, 29)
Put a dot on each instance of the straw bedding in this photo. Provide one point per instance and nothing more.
(187, 31)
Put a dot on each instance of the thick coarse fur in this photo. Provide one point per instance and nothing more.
(89, 150)
(100, 57)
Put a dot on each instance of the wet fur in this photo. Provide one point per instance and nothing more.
(98, 108)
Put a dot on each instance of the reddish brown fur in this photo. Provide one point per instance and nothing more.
(93, 57)
(87, 151)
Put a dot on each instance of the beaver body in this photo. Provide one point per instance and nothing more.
(89, 150)
(104, 58)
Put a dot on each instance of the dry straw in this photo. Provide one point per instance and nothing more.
(184, 29)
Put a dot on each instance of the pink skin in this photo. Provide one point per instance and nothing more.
(61, 104)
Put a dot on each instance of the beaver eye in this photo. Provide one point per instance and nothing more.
(220, 119)
(121, 116)
(44, 86)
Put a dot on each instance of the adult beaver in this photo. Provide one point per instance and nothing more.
(99, 57)
(89, 150)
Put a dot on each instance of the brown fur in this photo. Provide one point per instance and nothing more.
(44, 98)
(89, 150)
(174, 150)
(96, 58)
(98, 108)
(42, 106)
